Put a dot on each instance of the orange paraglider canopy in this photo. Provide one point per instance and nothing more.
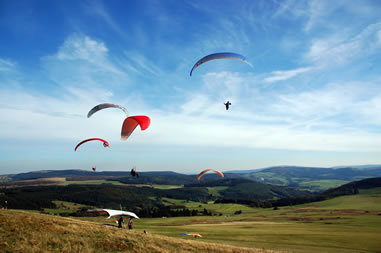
(131, 123)
(204, 171)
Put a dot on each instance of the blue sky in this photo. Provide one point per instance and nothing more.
(312, 96)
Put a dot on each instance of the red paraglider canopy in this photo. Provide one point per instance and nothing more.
(94, 168)
(105, 143)
(204, 171)
(132, 122)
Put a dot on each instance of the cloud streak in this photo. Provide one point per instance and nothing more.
(6, 65)
(338, 50)
(285, 75)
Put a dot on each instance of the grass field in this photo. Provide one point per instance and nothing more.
(343, 224)
(167, 187)
(22, 231)
(322, 185)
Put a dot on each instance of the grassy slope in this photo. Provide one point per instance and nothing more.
(344, 224)
(23, 231)
(322, 184)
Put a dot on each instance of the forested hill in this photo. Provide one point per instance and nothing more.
(354, 187)
(90, 174)
(308, 178)
(314, 178)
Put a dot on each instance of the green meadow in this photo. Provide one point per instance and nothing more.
(322, 185)
(343, 224)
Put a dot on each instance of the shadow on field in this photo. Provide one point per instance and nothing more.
(111, 225)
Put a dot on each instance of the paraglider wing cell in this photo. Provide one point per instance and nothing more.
(204, 171)
(223, 55)
(104, 106)
(105, 143)
(131, 123)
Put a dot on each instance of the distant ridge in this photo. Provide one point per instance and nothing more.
(369, 166)
(310, 178)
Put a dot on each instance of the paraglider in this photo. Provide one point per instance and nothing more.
(104, 106)
(195, 235)
(204, 171)
(131, 123)
(94, 168)
(112, 213)
(223, 55)
(134, 173)
(227, 104)
(105, 143)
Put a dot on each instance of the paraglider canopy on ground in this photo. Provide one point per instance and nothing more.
(195, 235)
(113, 213)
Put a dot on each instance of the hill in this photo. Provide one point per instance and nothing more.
(354, 187)
(308, 178)
(313, 178)
(238, 188)
(144, 200)
(31, 232)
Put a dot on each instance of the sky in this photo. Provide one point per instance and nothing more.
(311, 97)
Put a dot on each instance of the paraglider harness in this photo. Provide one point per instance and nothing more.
(227, 104)
(130, 224)
(134, 173)
(120, 222)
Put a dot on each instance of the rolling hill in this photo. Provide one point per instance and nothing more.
(31, 232)
(308, 178)
(313, 178)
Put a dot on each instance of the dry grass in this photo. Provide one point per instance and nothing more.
(22, 231)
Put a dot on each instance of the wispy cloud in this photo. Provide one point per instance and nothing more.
(82, 48)
(45, 118)
(319, 10)
(347, 107)
(84, 62)
(6, 65)
(285, 75)
(98, 9)
(141, 64)
(296, 8)
(340, 50)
